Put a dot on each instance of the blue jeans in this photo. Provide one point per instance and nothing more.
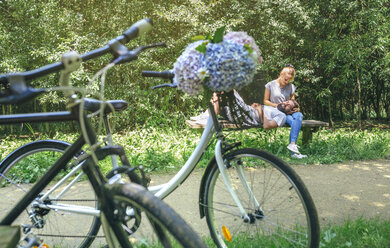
(295, 122)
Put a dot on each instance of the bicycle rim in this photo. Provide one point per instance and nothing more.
(53, 227)
(286, 215)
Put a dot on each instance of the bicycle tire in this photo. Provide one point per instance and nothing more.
(135, 196)
(287, 217)
(15, 180)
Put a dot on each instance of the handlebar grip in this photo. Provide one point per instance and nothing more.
(160, 74)
(137, 29)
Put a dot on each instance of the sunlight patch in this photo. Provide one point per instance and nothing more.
(351, 197)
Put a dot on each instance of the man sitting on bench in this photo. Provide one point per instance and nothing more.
(257, 114)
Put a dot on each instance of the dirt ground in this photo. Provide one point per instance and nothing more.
(340, 192)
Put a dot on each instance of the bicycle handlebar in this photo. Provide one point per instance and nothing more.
(161, 74)
(16, 91)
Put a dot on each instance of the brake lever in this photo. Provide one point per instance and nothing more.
(132, 55)
(172, 85)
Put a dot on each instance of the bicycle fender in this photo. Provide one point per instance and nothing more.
(202, 189)
(65, 144)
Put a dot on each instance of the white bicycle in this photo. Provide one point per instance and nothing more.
(249, 197)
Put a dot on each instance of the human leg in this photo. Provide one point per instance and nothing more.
(295, 122)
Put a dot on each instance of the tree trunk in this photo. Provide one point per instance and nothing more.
(330, 112)
(377, 99)
(353, 104)
(359, 101)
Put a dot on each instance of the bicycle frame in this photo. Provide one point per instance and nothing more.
(87, 165)
(55, 169)
(212, 126)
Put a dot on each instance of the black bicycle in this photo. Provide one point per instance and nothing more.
(43, 209)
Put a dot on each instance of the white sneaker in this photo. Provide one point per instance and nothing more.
(298, 155)
(202, 116)
(202, 121)
(293, 148)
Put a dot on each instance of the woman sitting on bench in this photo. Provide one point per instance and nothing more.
(280, 91)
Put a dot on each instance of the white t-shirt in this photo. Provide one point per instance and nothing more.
(278, 94)
(272, 113)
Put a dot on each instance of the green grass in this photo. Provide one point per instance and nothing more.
(167, 150)
(360, 233)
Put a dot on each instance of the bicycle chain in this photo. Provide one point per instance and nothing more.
(76, 200)
(71, 236)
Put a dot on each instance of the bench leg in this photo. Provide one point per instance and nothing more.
(307, 135)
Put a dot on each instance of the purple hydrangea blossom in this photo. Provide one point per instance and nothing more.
(225, 66)
(228, 65)
(186, 70)
(243, 38)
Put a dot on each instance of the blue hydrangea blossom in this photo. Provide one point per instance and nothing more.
(224, 66)
(229, 66)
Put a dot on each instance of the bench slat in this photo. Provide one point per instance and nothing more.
(308, 127)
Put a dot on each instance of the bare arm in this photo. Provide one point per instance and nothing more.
(269, 124)
(267, 101)
(214, 100)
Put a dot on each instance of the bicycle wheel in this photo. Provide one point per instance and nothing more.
(21, 169)
(285, 215)
(161, 226)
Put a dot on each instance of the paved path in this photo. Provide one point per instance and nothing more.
(340, 191)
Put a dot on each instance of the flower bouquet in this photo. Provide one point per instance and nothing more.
(219, 63)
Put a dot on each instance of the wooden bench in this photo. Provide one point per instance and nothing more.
(308, 127)
(9, 236)
(254, 92)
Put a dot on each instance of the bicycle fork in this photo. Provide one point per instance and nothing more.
(223, 170)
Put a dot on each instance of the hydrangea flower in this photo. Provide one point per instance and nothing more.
(243, 38)
(221, 64)
(186, 70)
(229, 66)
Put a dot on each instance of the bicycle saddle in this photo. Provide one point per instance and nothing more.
(93, 105)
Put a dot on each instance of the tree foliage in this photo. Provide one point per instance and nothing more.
(339, 47)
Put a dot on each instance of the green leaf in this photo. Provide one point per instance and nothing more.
(207, 94)
(198, 37)
(218, 35)
(248, 47)
(208, 37)
(202, 48)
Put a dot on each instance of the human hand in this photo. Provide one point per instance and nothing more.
(255, 105)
